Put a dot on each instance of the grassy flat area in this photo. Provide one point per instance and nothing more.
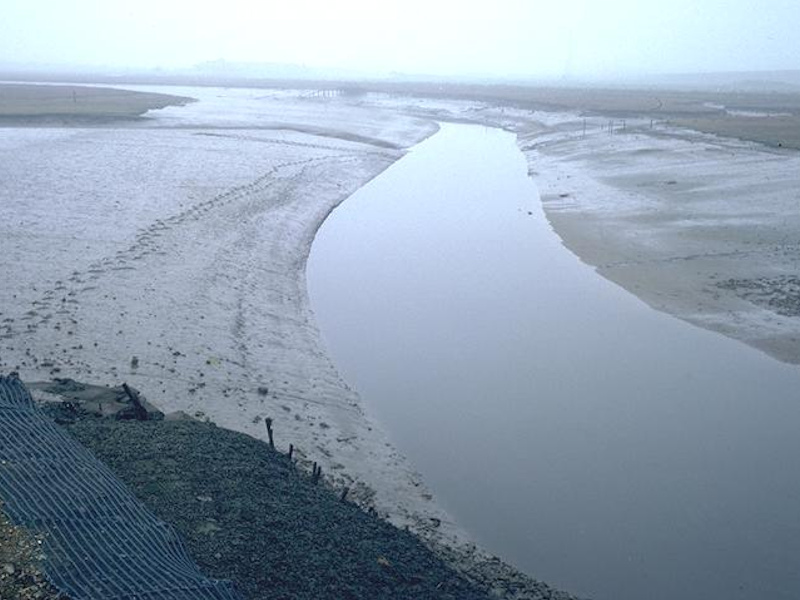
(27, 102)
(621, 101)
(777, 131)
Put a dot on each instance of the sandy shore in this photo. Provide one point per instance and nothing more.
(698, 226)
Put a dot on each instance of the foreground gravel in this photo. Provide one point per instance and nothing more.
(20, 556)
(247, 514)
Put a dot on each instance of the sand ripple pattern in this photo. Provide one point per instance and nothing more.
(100, 542)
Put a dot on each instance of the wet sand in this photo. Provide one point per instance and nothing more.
(698, 226)
(182, 272)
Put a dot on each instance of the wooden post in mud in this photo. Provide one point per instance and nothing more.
(344, 494)
(291, 451)
(316, 473)
(268, 422)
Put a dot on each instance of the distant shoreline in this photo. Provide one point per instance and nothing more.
(770, 117)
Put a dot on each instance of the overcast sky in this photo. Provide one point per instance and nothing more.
(516, 38)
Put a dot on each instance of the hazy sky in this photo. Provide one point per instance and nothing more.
(451, 37)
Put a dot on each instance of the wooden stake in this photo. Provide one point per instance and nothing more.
(316, 474)
(268, 422)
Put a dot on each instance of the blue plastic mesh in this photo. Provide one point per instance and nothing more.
(100, 542)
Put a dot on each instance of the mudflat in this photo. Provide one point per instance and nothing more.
(698, 225)
(173, 257)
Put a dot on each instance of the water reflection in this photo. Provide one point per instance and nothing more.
(597, 444)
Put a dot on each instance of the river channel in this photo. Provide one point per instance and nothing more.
(595, 443)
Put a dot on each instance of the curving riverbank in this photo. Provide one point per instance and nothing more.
(175, 261)
(698, 226)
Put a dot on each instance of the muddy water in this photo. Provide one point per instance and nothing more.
(603, 447)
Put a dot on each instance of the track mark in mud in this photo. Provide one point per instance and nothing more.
(57, 311)
(278, 142)
(686, 257)
(311, 131)
(146, 241)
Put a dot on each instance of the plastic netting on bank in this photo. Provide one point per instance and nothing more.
(99, 541)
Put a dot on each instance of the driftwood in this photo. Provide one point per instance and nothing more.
(139, 411)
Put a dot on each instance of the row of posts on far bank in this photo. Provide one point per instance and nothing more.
(614, 126)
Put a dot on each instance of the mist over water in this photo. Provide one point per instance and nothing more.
(599, 445)
(444, 38)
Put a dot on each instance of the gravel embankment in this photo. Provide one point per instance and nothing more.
(249, 515)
